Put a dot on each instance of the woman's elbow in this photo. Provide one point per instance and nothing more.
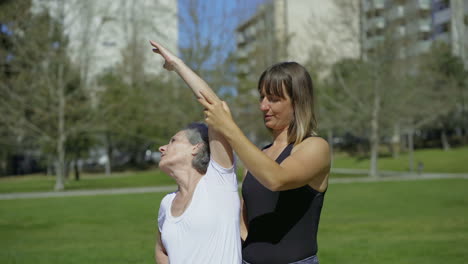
(275, 186)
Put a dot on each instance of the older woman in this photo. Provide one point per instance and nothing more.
(284, 188)
(199, 223)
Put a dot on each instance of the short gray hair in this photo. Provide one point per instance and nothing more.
(197, 133)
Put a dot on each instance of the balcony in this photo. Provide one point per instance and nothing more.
(420, 25)
(424, 4)
(378, 4)
(366, 6)
(442, 16)
(369, 5)
(419, 48)
(374, 24)
(378, 22)
(417, 5)
(396, 13)
(425, 25)
(401, 31)
(445, 37)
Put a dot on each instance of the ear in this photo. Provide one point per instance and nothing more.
(196, 149)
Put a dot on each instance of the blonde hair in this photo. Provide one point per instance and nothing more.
(296, 81)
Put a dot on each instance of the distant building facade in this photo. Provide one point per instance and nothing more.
(293, 30)
(417, 23)
(99, 31)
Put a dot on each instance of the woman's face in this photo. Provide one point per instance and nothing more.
(177, 151)
(277, 112)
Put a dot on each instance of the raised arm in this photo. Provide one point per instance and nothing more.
(308, 164)
(221, 151)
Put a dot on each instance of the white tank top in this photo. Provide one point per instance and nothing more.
(208, 230)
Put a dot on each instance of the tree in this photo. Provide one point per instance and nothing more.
(435, 95)
(44, 99)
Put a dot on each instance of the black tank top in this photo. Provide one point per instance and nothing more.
(282, 225)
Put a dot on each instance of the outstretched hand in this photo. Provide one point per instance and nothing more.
(217, 112)
(170, 59)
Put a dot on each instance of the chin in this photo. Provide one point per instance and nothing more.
(162, 166)
(273, 127)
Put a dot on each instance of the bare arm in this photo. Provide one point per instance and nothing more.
(221, 151)
(309, 162)
(244, 222)
(160, 252)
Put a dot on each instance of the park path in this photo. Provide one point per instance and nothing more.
(387, 176)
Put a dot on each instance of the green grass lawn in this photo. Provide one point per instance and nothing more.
(99, 229)
(41, 183)
(395, 222)
(453, 161)
(434, 160)
(385, 222)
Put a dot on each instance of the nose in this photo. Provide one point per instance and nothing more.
(264, 105)
(162, 148)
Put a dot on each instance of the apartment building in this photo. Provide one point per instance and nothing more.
(295, 30)
(99, 31)
(416, 24)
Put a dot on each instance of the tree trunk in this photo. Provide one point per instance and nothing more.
(59, 184)
(77, 170)
(374, 138)
(109, 154)
(444, 140)
(396, 141)
(67, 170)
(411, 150)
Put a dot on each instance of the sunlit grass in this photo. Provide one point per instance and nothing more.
(385, 222)
(38, 183)
(395, 222)
(433, 160)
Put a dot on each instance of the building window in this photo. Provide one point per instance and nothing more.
(109, 43)
(379, 32)
(424, 13)
(441, 5)
(378, 12)
(424, 35)
(442, 28)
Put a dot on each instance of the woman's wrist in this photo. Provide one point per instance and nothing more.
(231, 131)
(178, 64)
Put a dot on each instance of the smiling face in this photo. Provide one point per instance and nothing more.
(177, 152)
(278, 112)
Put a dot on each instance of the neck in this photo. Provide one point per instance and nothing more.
(186, 179)
(280, 137)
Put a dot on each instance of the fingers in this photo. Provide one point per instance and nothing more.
(155, 44)
(226, 107)
(158, 48)
(203, 102)
(209, 97)
(204, 97)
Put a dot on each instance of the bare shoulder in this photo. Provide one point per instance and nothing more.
(314, 154)
(313, 145)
